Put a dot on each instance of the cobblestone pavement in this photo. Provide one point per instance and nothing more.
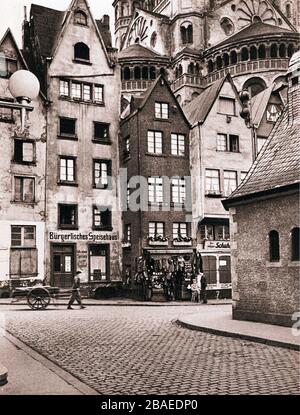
(141, 350)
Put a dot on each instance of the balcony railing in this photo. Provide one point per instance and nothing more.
(136, 85)
(248, 67)
(187, 79)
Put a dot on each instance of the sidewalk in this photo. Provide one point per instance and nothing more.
(218, 320)
(120, 302)
(28, 370)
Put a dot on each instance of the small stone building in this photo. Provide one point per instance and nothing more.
(264, 216)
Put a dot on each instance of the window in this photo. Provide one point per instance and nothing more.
(99, 262)
(99, 94)
(24, 189)
(217, 232)
(180, 230)
(101, 131)
(102, 217)
(76, 90)
(227, 106)
(67, 216)
(81, 52)
(177, 144)
(155, 142)
(155, 189)
(67, 172)
(274, 249)
(67, 127)
(6, 114)
(161, 110)
(295, 244)
(23, 262)
(102, 172)
(87, 92)
(156, 229)
(260, 143)
(127, 147)
(228, 143)
(230, 182)
(23, 236)
(7, 66)
(81, 18)
(178, 190)
(273, 113)
(64, 88)
(186, 30)
(295, 81)
(212, 185)
(127, 234)
(24, 151)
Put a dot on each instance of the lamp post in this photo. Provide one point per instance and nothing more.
(246, 114)
(24, 87)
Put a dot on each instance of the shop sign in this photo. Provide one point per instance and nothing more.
(81, 236)
(217, 245)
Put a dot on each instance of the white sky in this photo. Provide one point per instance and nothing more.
(12, 14)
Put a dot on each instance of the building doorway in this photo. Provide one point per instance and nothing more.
(62, 265)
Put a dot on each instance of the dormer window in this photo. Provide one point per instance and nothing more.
(81, 18)
(81, 52)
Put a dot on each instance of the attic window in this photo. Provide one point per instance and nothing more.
(7, 66)
(82, 52)
(81, 18)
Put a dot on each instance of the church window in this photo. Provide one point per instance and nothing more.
(227, 26)
(186, 30)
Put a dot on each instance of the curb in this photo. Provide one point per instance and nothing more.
(50, 365)
(138, 304)
(268, 342)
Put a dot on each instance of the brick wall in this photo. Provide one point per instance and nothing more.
(264, 291)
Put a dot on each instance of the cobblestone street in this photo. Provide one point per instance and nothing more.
(141, 350)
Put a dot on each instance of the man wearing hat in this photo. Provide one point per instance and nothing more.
(76, 292)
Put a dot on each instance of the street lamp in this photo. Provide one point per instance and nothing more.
(24, 87)
(246, 114)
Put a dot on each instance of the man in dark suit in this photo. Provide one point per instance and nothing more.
(76, 292)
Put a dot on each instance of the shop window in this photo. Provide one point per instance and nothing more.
(23, 262)
(67, 216)
(24, 189)
(102, 218)
(154, 141)
(24, 151)
(274, 248)
(98, 262)
(227, 106)
(155, 189)
(212, 182)
(225, 269)
(178, 190)
(101, 131)
(67, 127)
(23, 236)
(81, 52)
(161, 110)
(230, 182)
(210, 268)
(215, 232)
(81, 18)
(295, 234)
(177, 144)
(67, 170)
(102, 174)
(156, 229)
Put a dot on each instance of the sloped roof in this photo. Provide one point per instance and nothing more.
(277, 164)
(259, 104)
(197, 110)
(47, 24)
(255, 30)
(138, 51)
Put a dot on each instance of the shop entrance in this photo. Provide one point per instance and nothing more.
(62, 265)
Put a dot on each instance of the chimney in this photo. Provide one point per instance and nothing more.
(105, 21)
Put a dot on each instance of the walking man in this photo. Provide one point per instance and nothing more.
(76, 292)
(203, 288)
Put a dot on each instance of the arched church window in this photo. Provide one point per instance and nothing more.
(245, 54)
(210, 66)
(145, 73)
(227, 25)
(282, 51)
(81, 51)
(186, 30)
(274, 51)
(255, 85)
(253, 53)
(81, 18)
(191, 68)
(274, 248)
(152, 72)
(262, 52)
(288, 10)
(226, 59)
(137, 72)
(233, 57)
(290, 50)
(295, 234)
(219, 62)
(153, 39)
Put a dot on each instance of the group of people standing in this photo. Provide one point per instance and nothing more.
(173, 274)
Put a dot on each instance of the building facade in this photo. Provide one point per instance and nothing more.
(154, 149)
(22, 172)
(82, 85)
(264, 217)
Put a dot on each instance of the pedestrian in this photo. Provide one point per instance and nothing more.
(195, 291)
(203, 288)
(76, 292)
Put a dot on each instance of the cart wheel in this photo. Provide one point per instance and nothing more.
(38, 298)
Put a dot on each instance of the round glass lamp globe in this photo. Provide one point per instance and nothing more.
(24, 84)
